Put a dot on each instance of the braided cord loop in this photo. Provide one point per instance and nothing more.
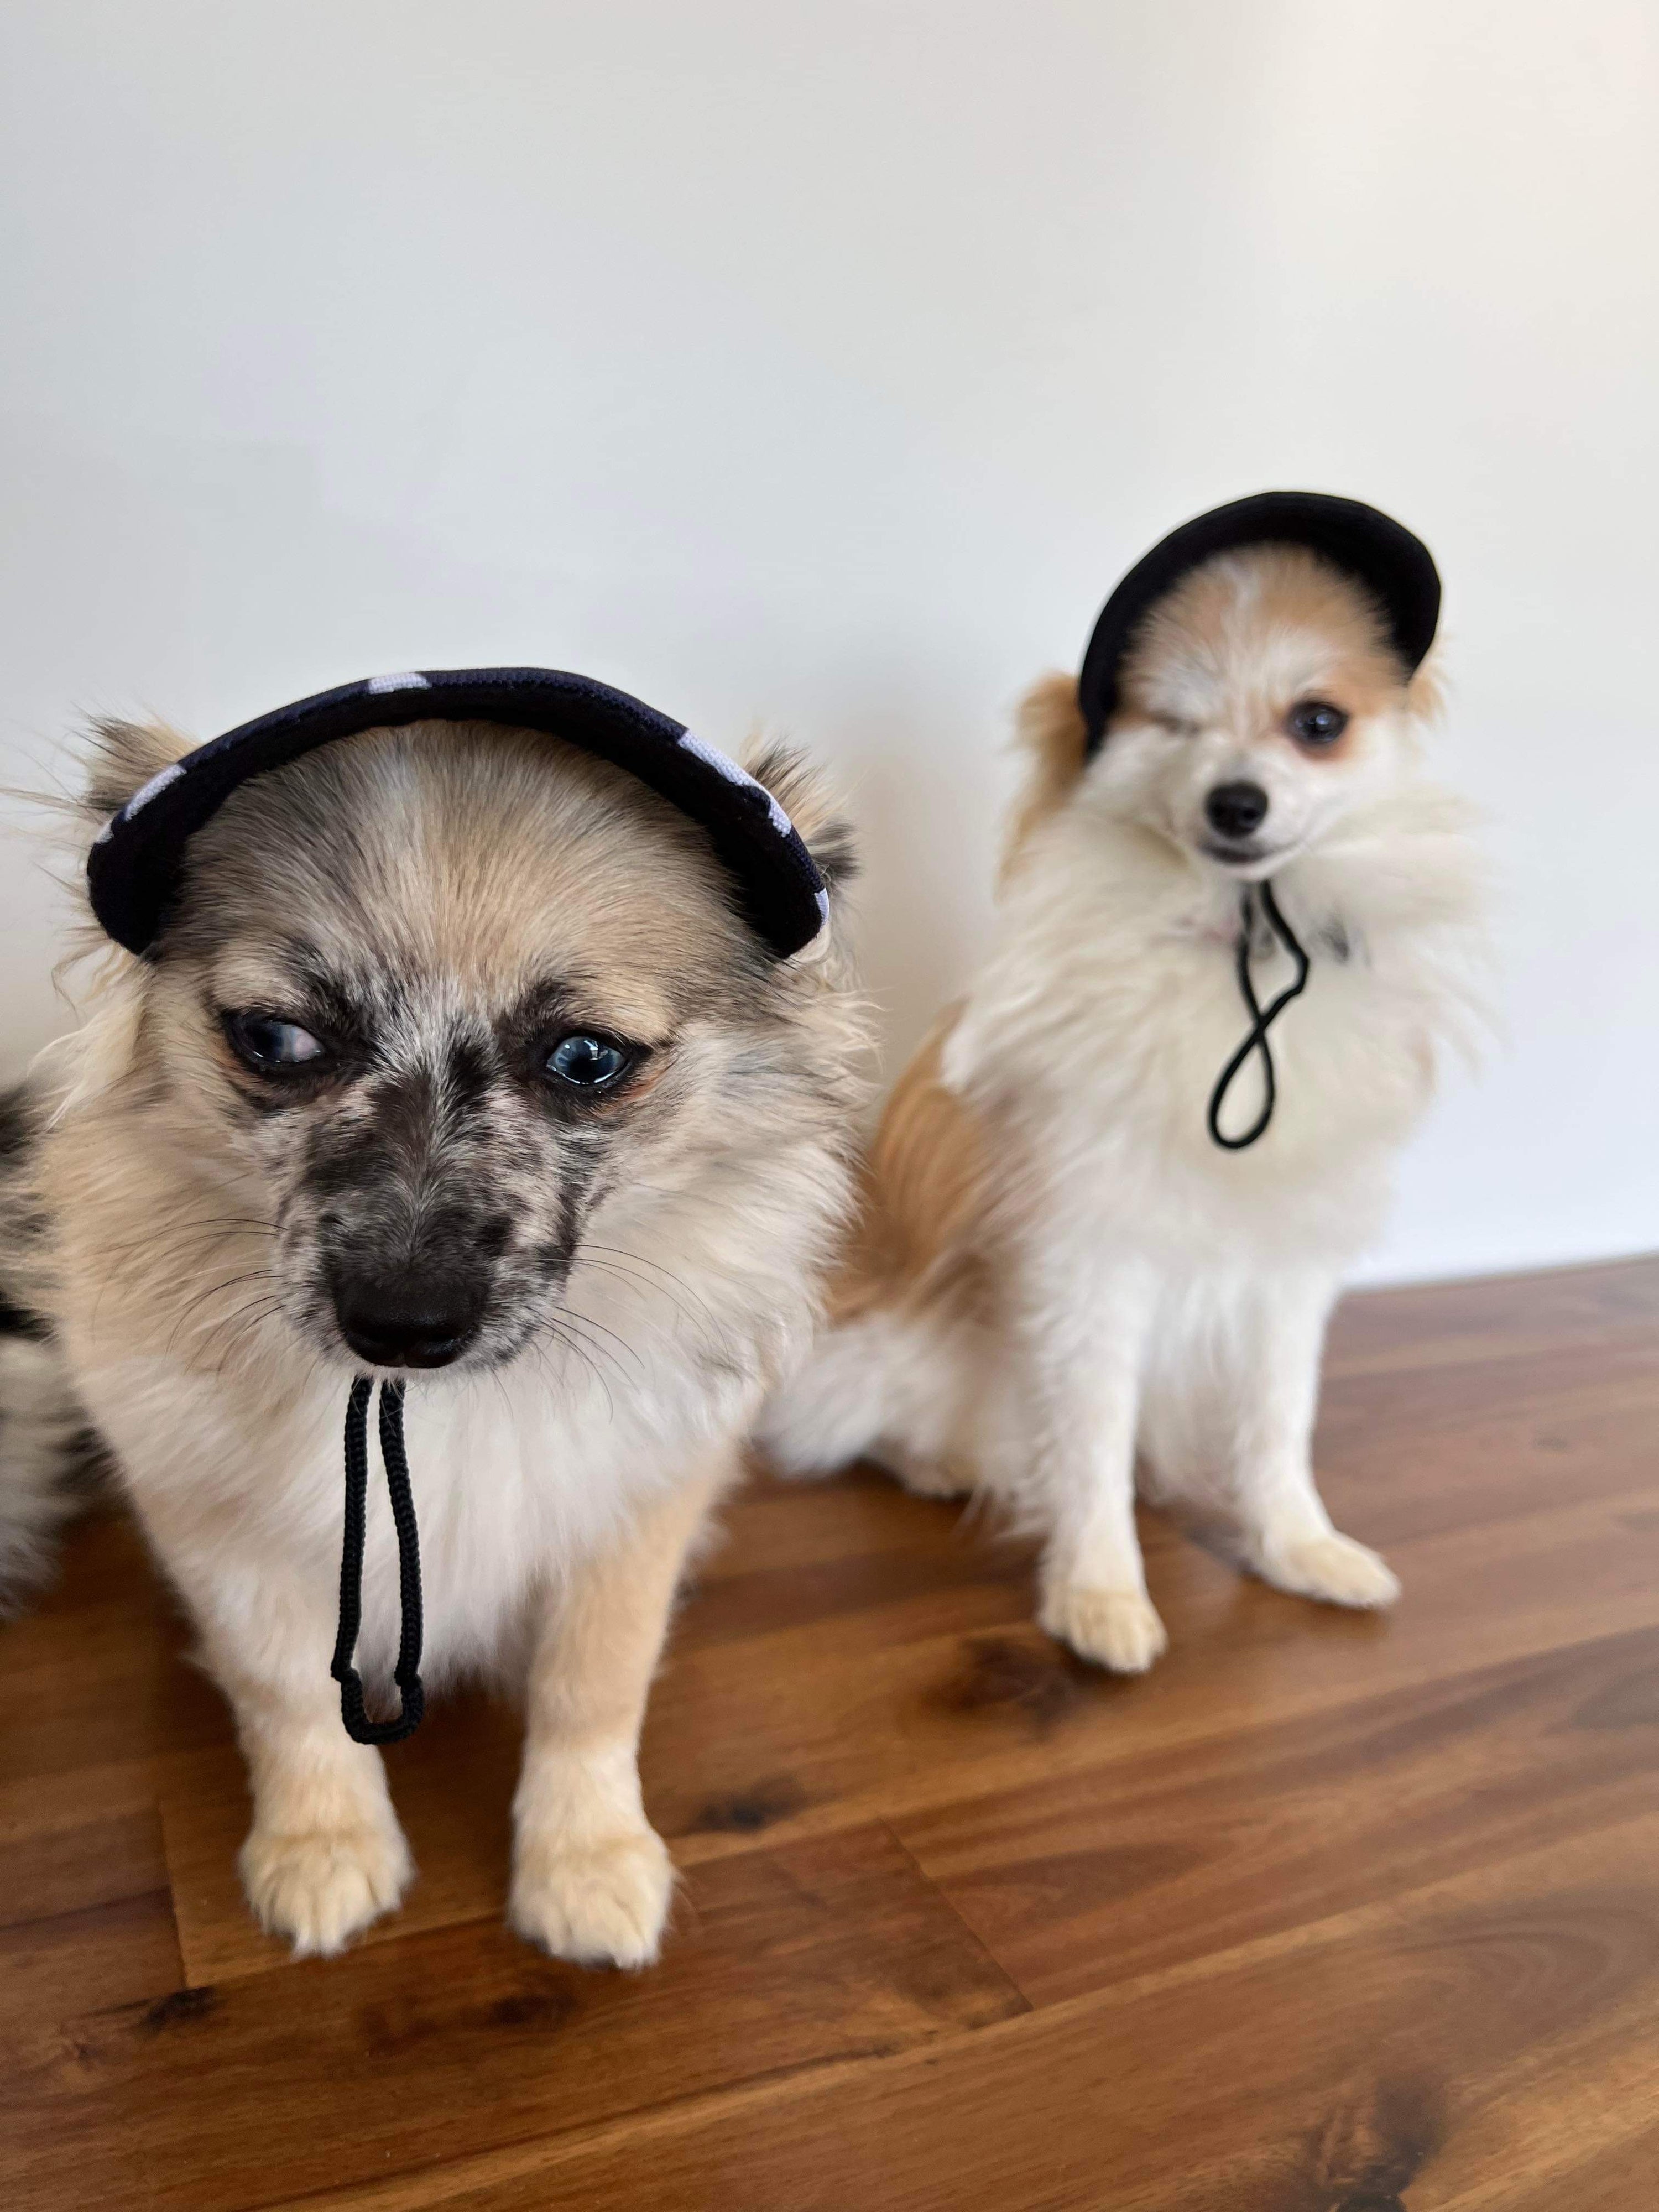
(1262, 1020)
(407, 1673)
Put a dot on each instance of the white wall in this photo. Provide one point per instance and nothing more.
(825, 361)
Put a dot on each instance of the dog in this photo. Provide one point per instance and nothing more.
(1057, 1268)
(454, 1060)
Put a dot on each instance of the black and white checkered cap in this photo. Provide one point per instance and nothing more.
(134, 869)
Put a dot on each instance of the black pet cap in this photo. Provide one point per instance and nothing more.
(135, 866)
(1362, 540)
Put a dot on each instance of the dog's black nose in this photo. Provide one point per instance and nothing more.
(1236, 808)
(408, 1320)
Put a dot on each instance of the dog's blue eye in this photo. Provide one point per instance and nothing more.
(589, 1062)
(1316, 722)
(272, 1045)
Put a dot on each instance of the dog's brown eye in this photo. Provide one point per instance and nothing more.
(587, 1062)
(273, 1046)
(1316, 722)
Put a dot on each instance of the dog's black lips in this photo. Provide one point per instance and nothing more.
(1243, 856)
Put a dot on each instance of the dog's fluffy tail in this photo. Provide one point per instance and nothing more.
(47, 1452)
(833, 1409)
(888, 1387)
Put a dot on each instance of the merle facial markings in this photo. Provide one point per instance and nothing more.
(492, 1236)
(551, 1261)
(470, 1070)
(447, 1159)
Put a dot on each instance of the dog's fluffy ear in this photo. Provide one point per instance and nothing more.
(1425, 695)
(1052, 734)
(112, 990)
(803, 791)
(120, 759)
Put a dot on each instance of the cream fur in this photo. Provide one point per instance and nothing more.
(1116, 1284)
(561, 1475)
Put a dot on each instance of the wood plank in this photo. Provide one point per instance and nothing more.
(1327, 1912)
(124, 1952)
(1396, 2049)
(51, 1971)
(1559, 2174)
(86, 1923)
(406, 2053)
(882, 1713)
(1489, 1440)
(1424, 1324)
(66, 1870)
(96, 1674)
(1121, 1871)
(40, 1805)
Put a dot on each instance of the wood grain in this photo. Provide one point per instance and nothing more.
(1328, 1914)
(328, 2070)
(1105, 1875)
(1392, 2054)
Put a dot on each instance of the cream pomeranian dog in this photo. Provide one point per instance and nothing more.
(499, 1045)
(1061, 1263)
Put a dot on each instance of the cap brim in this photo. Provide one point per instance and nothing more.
(135, 864)
(1396, 567)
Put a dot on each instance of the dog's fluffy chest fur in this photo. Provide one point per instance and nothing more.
(1093, 1040)
(517, 1479)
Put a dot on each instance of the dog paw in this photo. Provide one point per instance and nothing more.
(1333, 1568)
(924, 1478)
(1118, 1629)
(601, 1904)
(320, 1888)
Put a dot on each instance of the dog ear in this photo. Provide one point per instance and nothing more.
(804, 791)
(121, 757)
(1054, 736)
(1425, 695)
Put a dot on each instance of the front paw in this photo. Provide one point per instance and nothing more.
(321, 1887)
(1334, 1569)
(601, 1903)
(1115, 1628)
(924, 1478)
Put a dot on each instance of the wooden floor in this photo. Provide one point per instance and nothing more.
(1328, 1914)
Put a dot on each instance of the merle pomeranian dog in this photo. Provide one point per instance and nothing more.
(456, 1060)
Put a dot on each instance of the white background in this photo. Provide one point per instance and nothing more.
(824, 363)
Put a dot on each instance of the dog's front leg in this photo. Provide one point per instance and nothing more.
(1084, 1327)
(326, 1854)
(1288, 1536)
(590, 1877)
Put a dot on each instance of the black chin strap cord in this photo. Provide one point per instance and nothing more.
(407, 1673)
(1260, 1020)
